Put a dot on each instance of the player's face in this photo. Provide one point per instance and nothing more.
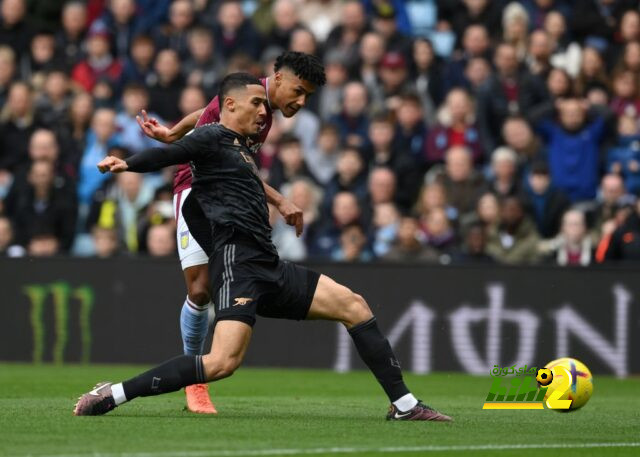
(250, 110)
(292, 92)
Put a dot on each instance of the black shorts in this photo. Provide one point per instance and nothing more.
(246, 280)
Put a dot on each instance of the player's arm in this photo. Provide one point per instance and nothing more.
(153, 129)
(291, 213)
(153, 159)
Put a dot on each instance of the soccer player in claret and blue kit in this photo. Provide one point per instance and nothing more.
(248, 278)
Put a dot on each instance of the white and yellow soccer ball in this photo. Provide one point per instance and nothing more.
(574, 381)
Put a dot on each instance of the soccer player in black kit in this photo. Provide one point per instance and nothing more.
(247, 276)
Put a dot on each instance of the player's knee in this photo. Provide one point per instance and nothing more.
(199, 294)
(218, 368)
(357, 310)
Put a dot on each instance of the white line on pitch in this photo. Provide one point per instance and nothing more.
(345, 450)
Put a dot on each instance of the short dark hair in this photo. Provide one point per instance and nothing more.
(233, 81)
(288, 139)
(304, 66)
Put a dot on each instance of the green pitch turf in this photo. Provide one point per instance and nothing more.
(296, 412)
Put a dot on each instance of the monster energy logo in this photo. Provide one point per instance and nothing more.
(62, 293)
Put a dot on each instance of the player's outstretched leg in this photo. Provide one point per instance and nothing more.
(230, 343)
(336, 302)
(194, 324)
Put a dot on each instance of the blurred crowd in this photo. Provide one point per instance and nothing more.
(449, 131)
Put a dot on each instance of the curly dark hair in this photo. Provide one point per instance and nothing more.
(304, 66)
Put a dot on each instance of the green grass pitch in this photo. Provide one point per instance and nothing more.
(302, 412)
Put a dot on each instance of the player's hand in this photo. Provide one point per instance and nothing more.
(153, 129)
(292, 215)
(112, 164)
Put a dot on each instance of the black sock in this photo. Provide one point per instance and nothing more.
(376, 352)
(170, 376)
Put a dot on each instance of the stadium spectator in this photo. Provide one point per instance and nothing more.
(515, 25)
(573, 246)
(408, 246)
(504, 178)
(461, 182)
(538, 58)
(80, 114)
(438, 231)
(508, 92)
(18, 120)
(384, 21)
(105, 241)
(161, 240)
(35, 65)
(626, 100)
(322, 158)
(393, 70)
(475, 44)
(289, 164)
(323, 238)
(202, 67)
(100, 138)
(474, 247)
(623, 245)
(386, 219)
(515, 239)
(611, 196)
(573, 143)
(382, 186)
(433, 196)
(303, 40)
(353, 245)
(411, 130)
(592, 70)
(630, 59)
(456, 127)
(174, 34)
(233, 32)
(7, 71)
(460, 14)
(165, 85)
(382, 153)
(290, 247)
(123, 23)
(353, 25)
(545, 204)
(43, 243)
(70, 37)
(134, 99)
(488, 210)
(321, 16)
(353, 121)
(53, 103)
(99, 63)
(428, 76)
(477, 74)
(42, 203)
(138, 67)
(370, 53)
(519, 136)
(624, 157)
(330, 95)
(8, 248)
(15, 29)
(285, 21)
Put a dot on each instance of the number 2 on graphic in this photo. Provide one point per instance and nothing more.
(554, 402)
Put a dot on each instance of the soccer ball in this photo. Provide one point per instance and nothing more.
(581, 383)
(544, 376)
